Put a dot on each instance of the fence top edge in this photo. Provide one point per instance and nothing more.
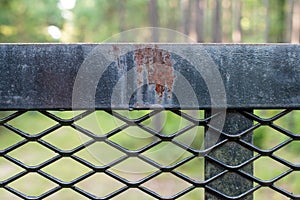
(153, 43)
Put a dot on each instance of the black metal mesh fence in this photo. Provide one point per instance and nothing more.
(148, 154)
(163, 153)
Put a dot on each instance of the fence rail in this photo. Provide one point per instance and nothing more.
(42, 76)
(162, 121)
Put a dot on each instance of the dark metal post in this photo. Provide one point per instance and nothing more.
(229, 154)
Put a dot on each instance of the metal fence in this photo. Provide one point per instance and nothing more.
(73, 127)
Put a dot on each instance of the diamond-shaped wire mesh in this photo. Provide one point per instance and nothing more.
(147, 154)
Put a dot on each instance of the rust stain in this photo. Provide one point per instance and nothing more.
(116, 54)
(158, 67)
(159, 89)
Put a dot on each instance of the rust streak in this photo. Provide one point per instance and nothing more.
(158, 66)
(116, 54)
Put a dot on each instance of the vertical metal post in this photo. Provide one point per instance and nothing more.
(230, 153)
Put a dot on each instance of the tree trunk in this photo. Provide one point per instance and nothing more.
(225, 21)
(200, 20)
(237, 28)
(267, 20)
(153, 12)
(186, 14)
(217, 30)
(122, 18)
(282, 20)
(295, 38)
(289, 20)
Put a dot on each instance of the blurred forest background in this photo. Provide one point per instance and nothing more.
(247, 21)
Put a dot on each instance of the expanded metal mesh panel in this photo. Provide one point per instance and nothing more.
(148, 154)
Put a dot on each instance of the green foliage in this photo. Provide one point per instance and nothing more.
(97, 20)
(23, 22)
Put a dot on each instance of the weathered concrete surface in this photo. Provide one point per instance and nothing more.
(42, 76)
